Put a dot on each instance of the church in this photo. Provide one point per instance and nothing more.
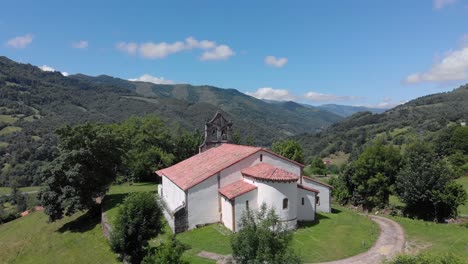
(224, 180)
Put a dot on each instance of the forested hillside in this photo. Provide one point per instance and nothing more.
(34, 103)
(422, 118)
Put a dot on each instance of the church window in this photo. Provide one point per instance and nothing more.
(247, 204)
(302, 200)
(285, 203)
(224, 134)
(317, 200)
(261, 157)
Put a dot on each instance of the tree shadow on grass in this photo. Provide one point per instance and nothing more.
(307, 224)
(113, 200)
(335, 211)
(84, 223)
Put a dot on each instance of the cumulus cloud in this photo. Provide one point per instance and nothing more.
(82, 44)
(127, 47)
(452, 67)
(50, 69)
(151, 79)
(320, 97)
(269, 93)
(275, 62)
(438, 4)
(20, 42)
(159, 50)
(221, 52)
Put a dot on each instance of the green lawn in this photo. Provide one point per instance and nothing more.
(75, 239)
(7, 190)
(335, 236)
(463, 210)
(435, 238)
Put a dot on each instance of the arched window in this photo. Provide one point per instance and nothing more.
(261, 157)
(302, 201)
(247, 204)
(285, 203)
(224, 134)
(317, 200)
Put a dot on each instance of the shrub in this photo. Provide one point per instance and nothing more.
(138, 220)
(427, 259)
(168, 252)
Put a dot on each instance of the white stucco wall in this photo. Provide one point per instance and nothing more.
(325, 195)
(240, 205)
(172, 195)
(305, 212)
(281, 163)
(226, 212)
(273, 193)
(203, 204)
(233, 173)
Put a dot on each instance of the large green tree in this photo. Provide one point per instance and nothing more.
(370, 178)
(317, 167)
(88, 162)
(425, 184)
(138, 220)
(263, 238)
(289, 149)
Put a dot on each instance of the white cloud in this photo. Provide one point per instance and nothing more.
(46, 68)
(82, 44)
(128, 47)
(151, 79)
(269, 93)
(50, 69)
(386, 103)
(438, 4)
(158, 50)
(221, 52)
(452, 67)
(275, 62)
(20, 42)
(320, 97)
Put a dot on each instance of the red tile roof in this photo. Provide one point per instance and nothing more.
(307, 188)
(266, 171)
(236, 188)
(200, 167)
(316, 181)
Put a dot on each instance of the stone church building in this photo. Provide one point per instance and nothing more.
(224, 179)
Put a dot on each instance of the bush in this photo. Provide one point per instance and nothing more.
(168, 252)
(427, 259)
(138, 220)
(263, 238)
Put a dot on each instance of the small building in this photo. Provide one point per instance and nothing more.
(224, 180)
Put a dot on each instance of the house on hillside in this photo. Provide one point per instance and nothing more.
(224, 179)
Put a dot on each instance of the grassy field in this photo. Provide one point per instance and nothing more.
(75, 239)
(463, 210)
(435, 238)
(7, 190)
(9, 129)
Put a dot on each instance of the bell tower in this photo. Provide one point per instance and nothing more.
(217, 131)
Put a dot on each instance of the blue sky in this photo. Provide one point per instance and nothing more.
(374, 53)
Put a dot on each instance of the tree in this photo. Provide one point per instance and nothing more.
(370, 178)
(425, 184)
(167, 253)
(459, 139)
(317, 167)
(263, 238)
(88, 162)
(138, 220)
(289, 149)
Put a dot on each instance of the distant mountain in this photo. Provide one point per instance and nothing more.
(422, 118)
(347, 110)
(33, 103)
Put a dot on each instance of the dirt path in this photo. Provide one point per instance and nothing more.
(390, 242)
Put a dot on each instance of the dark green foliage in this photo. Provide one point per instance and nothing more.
(459, 139)
(138, 220)
(168, 252)
(425, 184)
(370, 178)
(88, 162)
(427, 259)
(317, 167)
(340, 191)
(44, 101)
(289, 149)
(263, 239)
